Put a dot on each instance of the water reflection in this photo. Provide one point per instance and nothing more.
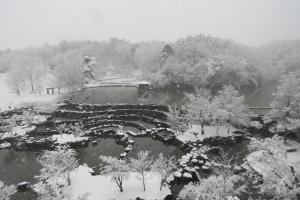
(155, 147)
(129, 95)
(90, 154)
(16, 167)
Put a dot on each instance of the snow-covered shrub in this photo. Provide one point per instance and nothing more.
(213, 188)
(6, 191)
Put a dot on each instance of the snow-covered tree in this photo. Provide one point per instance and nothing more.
(164, 166)
(286, 104)
(147, 55)
(142, 164)
(269, 159)
(54, 179)
(199, 108)
(213, 188)
(229, 107)
(88, 63)
(57, 163)
(68, 70)
(16, 79)
(178, 118)
(6, 191)
(116, 168)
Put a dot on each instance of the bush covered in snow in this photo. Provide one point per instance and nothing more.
(6, 191)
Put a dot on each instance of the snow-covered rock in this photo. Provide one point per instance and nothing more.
(37, 119)
(256, 124)
(264, 163)
(177, 174)
(23, 186)
(131, 133)
(5, 145)
(187, 175)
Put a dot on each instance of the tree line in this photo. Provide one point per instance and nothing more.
(195, 61)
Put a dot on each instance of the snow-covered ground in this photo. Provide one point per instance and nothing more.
(194, 133)
(67, 138)
(103, 188)
(17, 131)
(294, 158)
(9, 98)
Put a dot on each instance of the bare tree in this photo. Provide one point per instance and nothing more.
(229, 108)
(200, 109)
(142, 164)
(116, 168)
(68, 71)
(164, 167)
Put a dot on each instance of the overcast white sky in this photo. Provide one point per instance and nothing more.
(34, 22)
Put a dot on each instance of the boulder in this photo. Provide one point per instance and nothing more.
(23, 186)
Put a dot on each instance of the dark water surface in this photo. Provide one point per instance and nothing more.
(259, 97)
(18, 166)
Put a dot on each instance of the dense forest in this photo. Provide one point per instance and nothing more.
(195, 61)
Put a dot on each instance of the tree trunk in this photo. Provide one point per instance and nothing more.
(68, 179)
(228, 129)
(32, 88)
(119, 183)
(218, 129)
(144, 181)
(18, 92)
(121, 186)
(161, 184)
(202, 128)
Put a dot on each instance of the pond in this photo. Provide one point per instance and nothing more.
(18, 166)
(259, 97)
(126, 95)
